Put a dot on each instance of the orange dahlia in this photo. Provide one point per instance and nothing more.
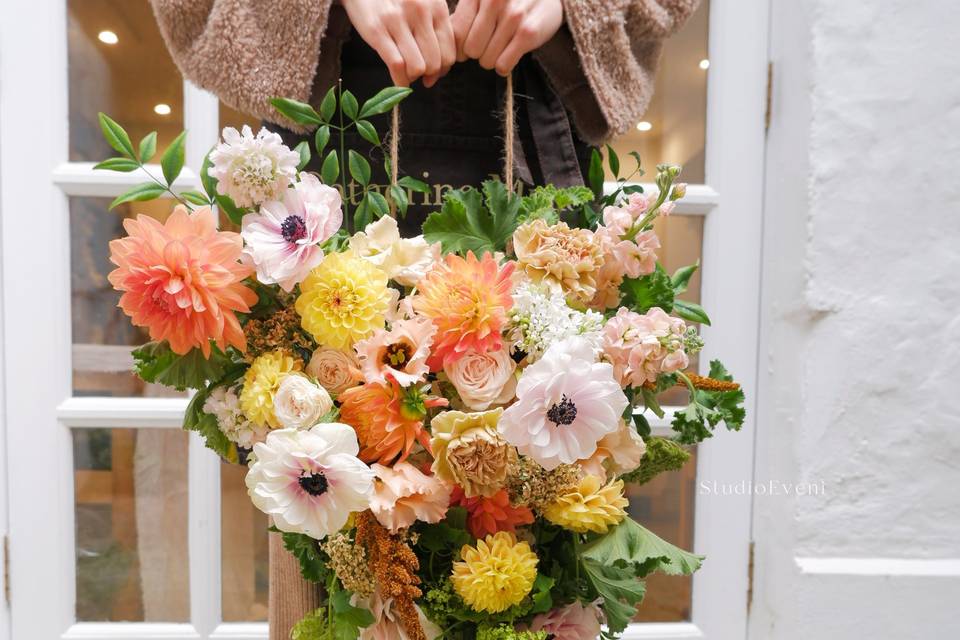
(486, 516)
(467, 299)
(182, 280)
(388, 419)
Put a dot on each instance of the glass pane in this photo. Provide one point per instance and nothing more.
(102, 333)
(118, 64)
(131, 525)
(681, 244)
(243, 550)
(674, 127)
(665, 505)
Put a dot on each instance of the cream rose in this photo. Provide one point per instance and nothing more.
(299, 403)
(484, 379)
(335, 370)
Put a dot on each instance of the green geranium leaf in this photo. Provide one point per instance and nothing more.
(629, 544)
(707, 409)
(173, 158)
(348, 619)
(385, 100)
(299, 112)
(620, 589)
(542, 601)
(124, 165)
(313, 562)
(155, 362)
(115, 136)
(140, 193)
(644, 293)
(469, 221)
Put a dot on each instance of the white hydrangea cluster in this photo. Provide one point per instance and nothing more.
(224, 405)
(541, 317)
(253, 169)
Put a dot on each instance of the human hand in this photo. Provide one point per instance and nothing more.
(498, 32)
(414, 38)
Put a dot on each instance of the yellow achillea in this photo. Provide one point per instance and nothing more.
(343, 300)
(496, 574)
(260, 384)
(589, 506)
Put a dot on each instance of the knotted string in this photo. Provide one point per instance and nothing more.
(508, 131)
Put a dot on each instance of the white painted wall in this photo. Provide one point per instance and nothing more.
(860, 355)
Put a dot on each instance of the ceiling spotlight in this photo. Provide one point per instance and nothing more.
(161, 109)
(643, 125)
(704, 64)
(108, 37)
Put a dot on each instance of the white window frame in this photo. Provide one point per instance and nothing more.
(37, 179)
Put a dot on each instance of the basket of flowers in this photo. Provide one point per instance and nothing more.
(441, 427)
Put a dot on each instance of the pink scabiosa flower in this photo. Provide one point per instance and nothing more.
(467, 299)
(566, 402)
(399, 354)
(575, 621)
(403, 494)
(182, 280)
(641, 347)
(310, 481)
(283, 240)
(252, 169)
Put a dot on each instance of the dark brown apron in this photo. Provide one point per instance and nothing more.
(452, 134)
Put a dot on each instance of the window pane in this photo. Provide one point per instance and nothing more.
(681, 240)
(675, 122)
(665, 505)
(127, 76)
(244, 557)
(102, 333)
(131, 525)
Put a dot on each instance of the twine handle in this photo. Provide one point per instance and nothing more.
(508, 126)
(508, 131)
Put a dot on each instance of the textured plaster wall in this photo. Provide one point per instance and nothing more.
(860, 352)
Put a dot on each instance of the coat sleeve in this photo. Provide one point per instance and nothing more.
(246, 51)
(603, 62)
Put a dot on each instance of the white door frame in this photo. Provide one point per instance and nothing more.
(36, 180)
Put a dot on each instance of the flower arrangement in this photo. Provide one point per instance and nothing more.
(441, 427)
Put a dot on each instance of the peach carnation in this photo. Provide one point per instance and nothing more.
(388, 419)
(403, 494)
(467, 299)
(182, 279)
(565, 257)
(488, 515)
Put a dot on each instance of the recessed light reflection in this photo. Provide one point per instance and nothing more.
(162, 109)
(704, 64)
(643, 125)
(108, 37)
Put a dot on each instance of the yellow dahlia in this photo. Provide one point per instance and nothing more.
(496, 574)
(467, 299)
(260, 384)
(590, 506)
(343, 300)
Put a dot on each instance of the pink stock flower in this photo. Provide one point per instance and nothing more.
(283, 240)
(182, 280)
(402, 495)
(641, 347)
(400, 353)
(575, 621)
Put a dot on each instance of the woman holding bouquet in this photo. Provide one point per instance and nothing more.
(583, 73)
